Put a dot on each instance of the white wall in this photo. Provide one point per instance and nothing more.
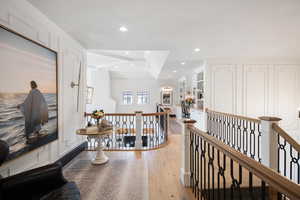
(256, 90)
(100, 80)
(135, 85)
(22, 17)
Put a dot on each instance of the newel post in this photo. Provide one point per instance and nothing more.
(138, 127)
(185, 171)
(167, 121)
(269, 142)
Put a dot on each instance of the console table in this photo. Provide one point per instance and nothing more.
(99, 136)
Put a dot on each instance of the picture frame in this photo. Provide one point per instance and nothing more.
(37, 77)
(167, 98)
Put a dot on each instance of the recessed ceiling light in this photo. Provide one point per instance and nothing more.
(126, 52)
(197, 50)
(183, 63)
(123, 29)
(174, 71)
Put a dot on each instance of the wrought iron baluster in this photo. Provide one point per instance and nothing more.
(208, 123)
(211, 157)
(228, 130)
(196, 167)
(192, 157)
(245, 137)
(239, 134)
(252, 140)
(259, 142)
(223, 139)
(203, 164)
(263, 190)
(282, 149)
(221, 173)
(251, 185)
(234, 133)
(201, 168)
(294, 163)
(235, 183)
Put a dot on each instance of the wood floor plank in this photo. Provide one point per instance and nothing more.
(162, 166)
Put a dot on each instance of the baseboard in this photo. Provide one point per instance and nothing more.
(72, 154)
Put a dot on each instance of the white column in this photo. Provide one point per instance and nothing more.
(269, 142)
(138, 128)
(185, 172)
(167, 127)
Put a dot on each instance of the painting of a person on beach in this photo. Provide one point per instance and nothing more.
(28, 94)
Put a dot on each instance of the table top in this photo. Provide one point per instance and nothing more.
(93, 131)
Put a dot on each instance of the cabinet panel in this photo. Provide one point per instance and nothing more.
(223, 88)
(255, 90)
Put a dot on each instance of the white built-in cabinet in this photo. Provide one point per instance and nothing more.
(198, 89)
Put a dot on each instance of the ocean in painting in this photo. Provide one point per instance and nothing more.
(12, 122)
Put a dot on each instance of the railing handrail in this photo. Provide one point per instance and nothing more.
(233, 115)
(128, 114)
(270, 176)
(154, 114)
(112, 114)
(286, 136)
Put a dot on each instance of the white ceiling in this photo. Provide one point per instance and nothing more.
(129, 64)
(221, 29)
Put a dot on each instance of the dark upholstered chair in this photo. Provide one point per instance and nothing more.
(4, 150)
(42, 183)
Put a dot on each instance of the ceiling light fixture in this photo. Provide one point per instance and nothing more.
(127, 53)
(123, 29)
(197, 50)
(183, 63)
(174, 71)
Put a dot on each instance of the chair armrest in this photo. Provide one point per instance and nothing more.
(36, 181)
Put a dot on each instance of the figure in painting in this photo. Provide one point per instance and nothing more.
(35, 111)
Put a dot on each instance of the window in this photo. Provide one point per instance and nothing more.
(127, 97)
(143, 97)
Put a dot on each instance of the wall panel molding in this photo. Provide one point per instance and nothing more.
(254, 90)
(224, 95)
(286, 95)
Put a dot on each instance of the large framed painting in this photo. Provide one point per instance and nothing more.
(28, 93)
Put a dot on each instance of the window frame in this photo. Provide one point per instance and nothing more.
(144, 95)
(126, 95)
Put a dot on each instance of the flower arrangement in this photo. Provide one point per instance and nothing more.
(189, 101)
(97, 114)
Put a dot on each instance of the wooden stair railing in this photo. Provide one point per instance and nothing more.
(245, 135)
(239, 132)
(133, 131)
(288, 154)
(218, 171)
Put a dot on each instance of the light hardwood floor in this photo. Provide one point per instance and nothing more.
(162, 169)
(164, 165)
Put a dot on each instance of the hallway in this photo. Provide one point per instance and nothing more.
(148, 175)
